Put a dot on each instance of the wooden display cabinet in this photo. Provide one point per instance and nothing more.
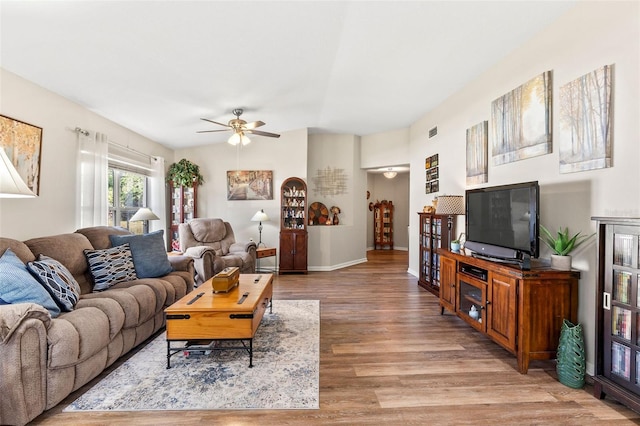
(184, 206)
(293, 226)
(617, 363)
(433, 235)
(383, 224)
(521, 310)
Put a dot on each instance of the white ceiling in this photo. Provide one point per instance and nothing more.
(157, 67)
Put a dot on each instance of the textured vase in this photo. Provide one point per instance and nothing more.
(571, 363)
(563, 263)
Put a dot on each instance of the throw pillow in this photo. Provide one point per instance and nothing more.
(17, 285)
(110, 266)
(148, 251)
(57, 280)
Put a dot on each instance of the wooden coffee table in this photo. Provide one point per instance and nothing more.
(202, 316)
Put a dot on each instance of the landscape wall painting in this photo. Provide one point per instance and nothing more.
(477, 153)
(521, 121)
(585, 122)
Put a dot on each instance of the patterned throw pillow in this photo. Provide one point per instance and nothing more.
(57, 280)
(17, 285)
(110, 266)
(149, 253)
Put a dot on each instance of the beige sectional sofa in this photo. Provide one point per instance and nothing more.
(43, 359)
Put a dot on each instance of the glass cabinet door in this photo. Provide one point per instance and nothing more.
(623, 311)
(471, 301)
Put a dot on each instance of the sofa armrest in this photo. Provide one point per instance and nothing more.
(205, 262)
(23, 362)
(11, 316)
(243, 247)
(181, 263)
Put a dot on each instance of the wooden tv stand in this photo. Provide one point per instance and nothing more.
(521, 310)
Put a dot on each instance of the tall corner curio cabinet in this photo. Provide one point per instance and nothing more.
(617, 363)
(183, 204)
(293, 226)
(383, 224)
(434, 234)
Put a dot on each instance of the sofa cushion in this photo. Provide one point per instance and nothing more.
(110, 266)
(17, 285)
(149, 253)
(67, 249)
(208, 230)
(99, 235)
(57, 280)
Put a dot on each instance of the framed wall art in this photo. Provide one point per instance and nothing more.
(585, 122)
(521, 121)
(250, 185)
(477, 157)
(432, 174)
(22, 142)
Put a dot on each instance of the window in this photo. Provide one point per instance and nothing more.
(127, 192)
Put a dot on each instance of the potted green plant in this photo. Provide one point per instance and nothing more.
(455, 244)
(185, 173)
(561, 245)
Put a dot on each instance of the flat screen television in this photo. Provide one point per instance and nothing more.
(502, 221)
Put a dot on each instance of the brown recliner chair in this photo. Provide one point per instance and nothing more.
(212, 245)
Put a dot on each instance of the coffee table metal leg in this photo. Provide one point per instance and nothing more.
(250, 353)
(168, 354)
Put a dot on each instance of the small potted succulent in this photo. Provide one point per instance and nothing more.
(456, 244)
(185, 173)
(561, 245)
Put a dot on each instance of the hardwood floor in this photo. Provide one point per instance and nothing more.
(389, 357)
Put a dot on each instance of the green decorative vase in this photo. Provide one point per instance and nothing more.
(571, 363)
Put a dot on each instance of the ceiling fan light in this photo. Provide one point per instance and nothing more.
(245, 139)
(234, 139)
(390, 174)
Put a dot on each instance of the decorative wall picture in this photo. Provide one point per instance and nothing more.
(521, 121)
(22, 142)
(330, 181)
(249, 185)
(431, 174)
(477, 153)
(585, 122)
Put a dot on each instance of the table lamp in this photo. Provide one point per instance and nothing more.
(450, 205)
(260, 217)
(144, 214)
(11, 184)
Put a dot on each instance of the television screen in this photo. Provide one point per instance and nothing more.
(504, 216)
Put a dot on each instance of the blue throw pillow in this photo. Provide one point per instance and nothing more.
(57, 280)
(110, 266)
(149, 254)
(17, 285)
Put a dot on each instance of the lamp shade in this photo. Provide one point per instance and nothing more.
(450, 205)
(239, 137)
(144, 213)
(11, 184)
(260, 216)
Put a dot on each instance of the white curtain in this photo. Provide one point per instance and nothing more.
(93, 170)
(157, 196)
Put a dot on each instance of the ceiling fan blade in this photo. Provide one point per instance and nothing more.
(215, 122)
(211, 131)
(261, 133)
(254, 124)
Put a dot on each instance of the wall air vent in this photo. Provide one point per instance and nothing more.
(433, 131)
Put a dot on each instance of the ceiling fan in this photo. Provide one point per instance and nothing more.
(240, 129)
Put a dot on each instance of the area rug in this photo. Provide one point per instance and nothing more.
(285, 373)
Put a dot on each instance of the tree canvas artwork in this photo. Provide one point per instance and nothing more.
(477, 148)
(585, 122)
(521, 121)
(22, 142)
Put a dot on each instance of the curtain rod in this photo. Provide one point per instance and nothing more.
(86, 133)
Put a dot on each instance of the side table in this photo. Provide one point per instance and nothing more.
(262, 253)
